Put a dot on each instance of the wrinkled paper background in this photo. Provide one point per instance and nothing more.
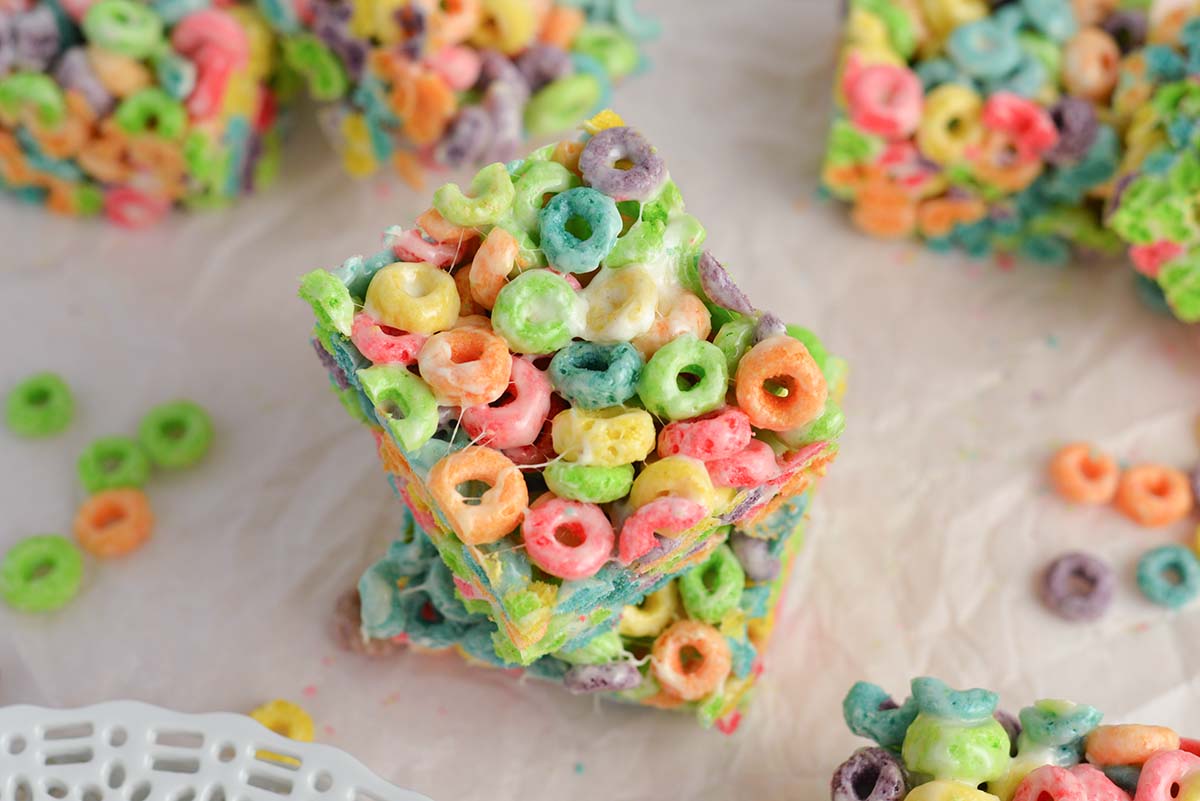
(924, 540)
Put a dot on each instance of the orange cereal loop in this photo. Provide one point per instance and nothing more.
(465, 367)
(1083, 475)
(779, 385)
(994, 162)
(467, 305)
(389, 454)
(937, 217)
(60, 198)
(560, 26)
(1154, 495)
(885, 211)
(1092, 12)
(114, 522)
(690, 659)
(567, 154)
(1091, 64)
(442, 230)
(493, 263)
(1128, 744)
(435, 104)
(409, 169)
(479, 519)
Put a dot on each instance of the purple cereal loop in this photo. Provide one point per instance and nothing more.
(598, 162)
(495, 67)
(755, 557)
(1127, 28)
(504, 105)
(719, 287)
(74, 72)
(331, 366)
(1077, 586)
(870, 774)
(347, 628)
(1077, 128)
(1012, 727)
(36, 37)
(769, 325)
(466, 139)
(543, 64)
(613, 677)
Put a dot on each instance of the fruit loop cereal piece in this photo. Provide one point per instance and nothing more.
(1083, 475)
(634, 353)
(494, 513)
(1169, 575)
(39, 406)
(285, 719)
(465, 366)
(713, 589)
(176, 435)
(779, 385)
(41, 574)
(690, 659)
(568, 539)
(870, 774)
(1154, 496)
(114, 522)
(1077, 586)
(518, 420)
(1129, 744)
(111, 463)
(954, 736)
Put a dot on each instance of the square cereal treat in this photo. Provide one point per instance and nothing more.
(980, 126)
(1154, 207)
(570, 395)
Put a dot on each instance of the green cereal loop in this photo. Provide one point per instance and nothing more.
(1043, 49)
(112, 463)
(492, 194)
(39, 406)
(614, 49)
(518, 168)
(1180, 281)
(733, 340)
(34, 91)
(686, 355)
(124, 26)
(310, 57)
(330, 300)
(561, 105)
(176, 434)
(152, 111)
(41, 574)
(589, 483)
(528, 249)
(536, 312)
(638, 245)
(826, 428)
(89, 200)
(538, 179)
(600, 650)
(897, 22)
(403, 403)
(713, 589)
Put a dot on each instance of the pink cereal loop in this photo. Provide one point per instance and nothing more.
(1027, 124)
(458, 66)
(129, 208)
(753, 466)
(1149, 259)
(667, 515)
(1096, 785)
(219, 46)
(517, 422)
(410, 246)
(567, 539)
(1050, 782)
(382, 344)
(883, 99)
(1162, 771)
(715, 435)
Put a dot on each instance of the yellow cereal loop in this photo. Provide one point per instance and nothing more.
(950, 123)
(384, 20)
(604, 120)
(508, 25)
(621, 304)
(287, 720)
(414, 297)
(943, 790)
(259, 37)
(656, 611)
(943, 16)
(607, 437)
(678, 476)
(120, 75)
(362, 21)
(357, 155)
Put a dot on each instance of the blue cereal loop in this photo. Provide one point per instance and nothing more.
(1059, 725)
(743, 654)
(984, 49)
(1027, 78)
(1055, 18)
(1163, 64)
(568, 252)
(633, 22)
(1158, 570)
(937, 699)
(871, 713)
